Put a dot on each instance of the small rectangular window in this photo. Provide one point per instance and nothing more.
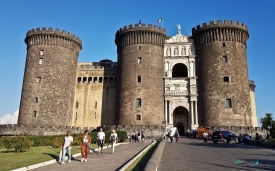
(36, 100)
(138, 102)
(38, 79)
(224, 59)
(138, 117)
(139, 79)
(75, 115)
(224, 44)
(40, 61)
(100, 80)
(228, 103)
(41, 52)
(139, 60)
(139, 47)
(76, 105)
(226, 79)
(95, 115)
(34, 113)
(95, 105)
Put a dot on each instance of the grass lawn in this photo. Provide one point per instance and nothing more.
(12, 160)
(140, 163)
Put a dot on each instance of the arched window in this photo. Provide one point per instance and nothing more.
(180, 70)
(95, 79)
(84, 79)
(79, 79)
(89, 79)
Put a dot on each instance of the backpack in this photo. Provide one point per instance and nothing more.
(138, 133)
(176, 134)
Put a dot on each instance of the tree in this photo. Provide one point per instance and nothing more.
(268, 123)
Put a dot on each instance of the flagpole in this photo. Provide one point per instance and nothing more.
(162, 23)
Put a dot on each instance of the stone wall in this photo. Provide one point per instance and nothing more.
(49, 77)
(95, 92)
(140, 51)
(150, 130)
(222, 72)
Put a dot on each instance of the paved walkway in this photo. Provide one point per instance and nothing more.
(106, 161)
(195, 155)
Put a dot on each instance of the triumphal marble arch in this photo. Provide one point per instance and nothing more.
(180, 82)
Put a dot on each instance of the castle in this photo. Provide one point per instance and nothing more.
(186, 81)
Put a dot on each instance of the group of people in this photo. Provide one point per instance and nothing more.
(138, 136)
(171, 136)
(244, 138)
(85, 144)
(192, 133)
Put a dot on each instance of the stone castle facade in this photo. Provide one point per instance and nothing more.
(188, 81)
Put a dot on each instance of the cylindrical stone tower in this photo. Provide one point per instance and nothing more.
(49, 78)
(222, 72)
(140, 52)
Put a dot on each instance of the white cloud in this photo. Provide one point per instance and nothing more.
(9, 119)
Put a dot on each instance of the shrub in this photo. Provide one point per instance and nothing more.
(7, 143)
(19, 143)
(57, 142)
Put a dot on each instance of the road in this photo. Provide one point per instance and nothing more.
(195, 155)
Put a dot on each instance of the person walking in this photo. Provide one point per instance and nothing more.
(177, 135)
(100, 140)
(67, 146)
(85, 144)
(170, 136)
(113, 140)
(205, 136)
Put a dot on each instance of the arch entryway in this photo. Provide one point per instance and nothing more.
(181, 119)
(179, 70)
(180, 127)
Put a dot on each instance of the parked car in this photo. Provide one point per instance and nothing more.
(224, 136)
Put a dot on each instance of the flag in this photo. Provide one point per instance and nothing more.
(160, 20)
(139, 21)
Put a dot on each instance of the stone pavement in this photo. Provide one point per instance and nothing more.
(106, 161)
(195, 155)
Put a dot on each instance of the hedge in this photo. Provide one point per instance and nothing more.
(23, 143)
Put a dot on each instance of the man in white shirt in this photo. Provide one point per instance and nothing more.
(100, 140)
(67, 146)
(205, 136)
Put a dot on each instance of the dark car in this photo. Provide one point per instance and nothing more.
(224, 136)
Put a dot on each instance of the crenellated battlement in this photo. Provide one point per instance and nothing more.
(96, 66)
(141, 27)
(49, 36)
(220, 31)
(140, 34)
(220, 23)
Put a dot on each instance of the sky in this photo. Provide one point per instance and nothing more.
(96, 23)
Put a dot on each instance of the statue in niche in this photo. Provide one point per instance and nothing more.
(168, 50)
(183, 51)
(175, 51)
(190, 51)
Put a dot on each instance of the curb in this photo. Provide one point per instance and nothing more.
(46, 163)
(137, 156)
(153, 163)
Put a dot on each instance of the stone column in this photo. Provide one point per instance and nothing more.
(165, 111)
(192, 113)
(191, 69)
(194, 69)
(170, 114)
(196, 112)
